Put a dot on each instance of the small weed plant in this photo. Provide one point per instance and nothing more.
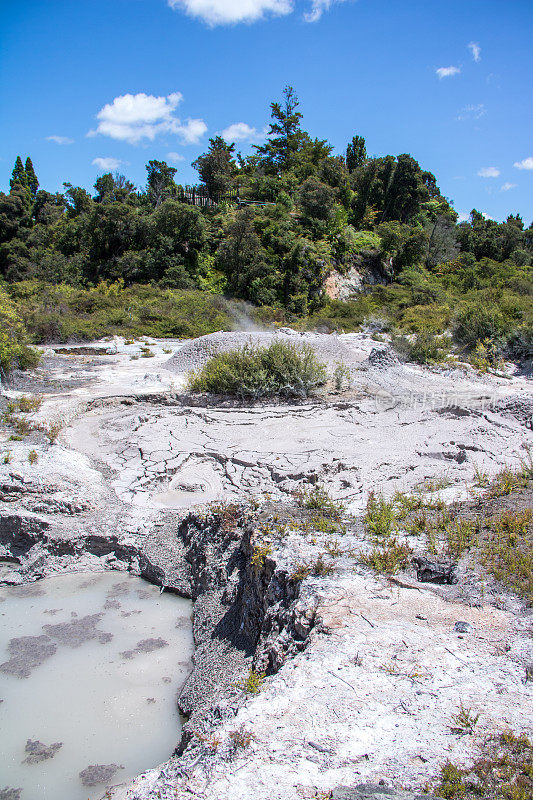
(380, 517)
(464, 721)
(507, 551)
(260, 555)
(253, 682)
(389, 558)
(318, 500)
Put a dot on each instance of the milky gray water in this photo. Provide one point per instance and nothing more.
(90, 669)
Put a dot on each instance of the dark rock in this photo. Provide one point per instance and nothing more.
(434, 572)
(10, 794)
(462, 627)
(383, 358)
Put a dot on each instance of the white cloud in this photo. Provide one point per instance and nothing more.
(475, 49)
(447, 72)
(227, 12)
(472, 112)
(134, 117)
(192, 131)
(317, 9)
(242, 132)
(60, 139)
(464, 216)
(106, 163)
(507, 186)
(526, 163)
(486, 216)
(488, 172)
(175, 157)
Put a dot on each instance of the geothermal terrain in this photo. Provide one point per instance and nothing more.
(304, 680)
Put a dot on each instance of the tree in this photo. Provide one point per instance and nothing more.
(48, 208)
(442, 245)
(18, 176)
(278, 154)
(113, 188)
(217, 167)
(355, 153)
(243, 259)
(316, 199)
(160, 181)
(78, 200)
(31, 177)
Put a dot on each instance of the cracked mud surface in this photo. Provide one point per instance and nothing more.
(372, 695)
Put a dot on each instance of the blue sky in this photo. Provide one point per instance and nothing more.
(90, 84)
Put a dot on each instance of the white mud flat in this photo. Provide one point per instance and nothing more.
(397, 427)
(90, 670)
(373, 694)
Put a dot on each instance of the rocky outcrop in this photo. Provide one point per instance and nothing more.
(368, 269)
(246, 615)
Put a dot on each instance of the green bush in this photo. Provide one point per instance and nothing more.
(280, 369)
(520, 342)
(359, 241)
(14, 351)
(423, 348)
(475, 323)
(64, 313)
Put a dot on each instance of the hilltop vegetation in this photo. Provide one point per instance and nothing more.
(282, 220)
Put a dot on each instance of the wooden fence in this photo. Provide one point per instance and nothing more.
(200, 196)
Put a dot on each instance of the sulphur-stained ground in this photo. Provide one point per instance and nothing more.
(120, 449)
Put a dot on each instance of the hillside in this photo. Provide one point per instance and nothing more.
(271, 229)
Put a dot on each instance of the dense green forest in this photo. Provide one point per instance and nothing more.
(74, 265)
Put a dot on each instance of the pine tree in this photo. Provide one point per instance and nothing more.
(33, 182)
(355, 153)
(285, 135)
(18, 176)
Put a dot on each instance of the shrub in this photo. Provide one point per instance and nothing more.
(507, 551)
(520, 342)
(464, 721)
(33, 457)
(503, 770)
(14, 352)
(253, 682)
(380, 517)
(487, 355)
(388, 558)
(280, 369)
(425, 319)
(424, 348)
(477, 323)
(318, 500)
(359, 241)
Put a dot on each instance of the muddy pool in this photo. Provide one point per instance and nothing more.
(90, 669)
